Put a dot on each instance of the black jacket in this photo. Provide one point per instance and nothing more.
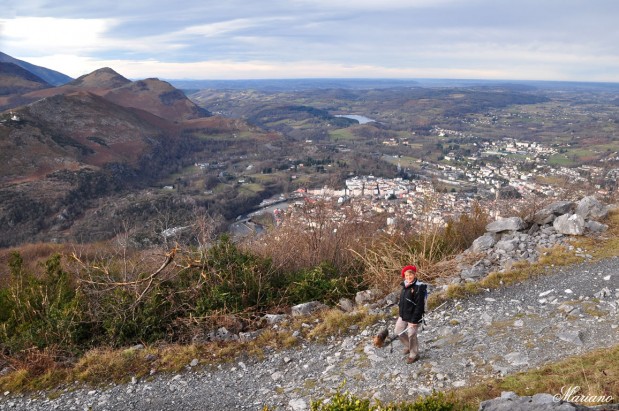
(412, 302)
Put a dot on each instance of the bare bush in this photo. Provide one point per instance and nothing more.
(432, 250)
(315, 233)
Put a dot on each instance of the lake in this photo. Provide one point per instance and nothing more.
(360, 119)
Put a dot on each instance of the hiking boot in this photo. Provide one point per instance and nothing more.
(406, 351)
(411, 360)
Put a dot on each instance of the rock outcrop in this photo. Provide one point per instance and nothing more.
(509, 401)
(513, 239)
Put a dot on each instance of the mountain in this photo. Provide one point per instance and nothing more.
(157, 97)
(76, 158)
(104, 78)
(152, 95)
(52, 77)
(65, 154)
(17, 80)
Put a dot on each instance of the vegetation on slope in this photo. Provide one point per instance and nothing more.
(69, 315)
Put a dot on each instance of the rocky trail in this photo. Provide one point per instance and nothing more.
(571, 311)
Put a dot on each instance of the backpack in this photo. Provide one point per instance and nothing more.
(423, 289)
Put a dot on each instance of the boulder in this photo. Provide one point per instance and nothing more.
(367, 296)
(549, 213)
(561, 207)
(346, 305)
(571, 224)
(590, 208)
(509, 401)
(307, 308)
(507, 245)
(595, 227)
(392, 298)
(483, 243)
(506, 224)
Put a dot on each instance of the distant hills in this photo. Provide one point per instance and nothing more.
(51, 77)
(17, 80)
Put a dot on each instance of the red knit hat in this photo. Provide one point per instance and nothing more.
(409, 267)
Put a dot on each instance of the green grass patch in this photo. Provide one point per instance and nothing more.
(560, 160)
(346, 401)
(252, 187)
(342, 134)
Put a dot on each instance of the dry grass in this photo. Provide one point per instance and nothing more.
(104, 365)
(336, 322)
(596, 373)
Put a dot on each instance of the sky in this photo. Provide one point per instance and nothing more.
(566, 40)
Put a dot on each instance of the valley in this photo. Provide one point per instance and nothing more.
(220, 151)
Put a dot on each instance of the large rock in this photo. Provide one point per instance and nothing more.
(510, 401)
(571, 224)
(596, 227)
(307, 308)
(549, 213)
(367, 296)
(506, 224)
(590, 207)
(507, 245)
(483, 243)
(346, 305)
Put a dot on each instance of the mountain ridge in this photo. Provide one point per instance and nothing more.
(53, 77)
(65, 148)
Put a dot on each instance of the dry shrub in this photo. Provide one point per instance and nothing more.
(35, 361)
(315, 233)
(384, 259)
(33, 255)
(432, 250)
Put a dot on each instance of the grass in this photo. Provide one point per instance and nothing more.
(596, 373)
(252, 188)
(342, 134)
(336, 322)
(104, 365)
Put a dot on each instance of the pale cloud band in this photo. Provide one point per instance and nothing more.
(548, 40)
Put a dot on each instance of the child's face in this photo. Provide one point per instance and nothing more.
(410, 276)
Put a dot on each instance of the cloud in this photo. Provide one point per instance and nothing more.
(78, 35)
(554, 39)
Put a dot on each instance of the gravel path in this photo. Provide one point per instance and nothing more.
(571, 311)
